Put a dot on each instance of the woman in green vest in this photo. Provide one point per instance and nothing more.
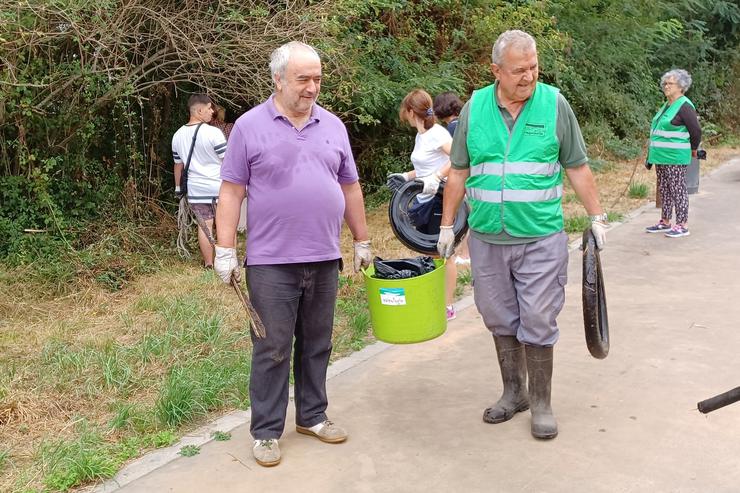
(674, 139)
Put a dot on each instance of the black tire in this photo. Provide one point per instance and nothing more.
(425, 243)
(595, 320)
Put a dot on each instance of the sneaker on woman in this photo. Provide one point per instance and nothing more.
(451, 313)
(677, 232)
(661, 227)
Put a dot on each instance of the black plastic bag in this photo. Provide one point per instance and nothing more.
(402, 268)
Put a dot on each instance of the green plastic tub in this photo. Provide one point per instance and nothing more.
(405, 311)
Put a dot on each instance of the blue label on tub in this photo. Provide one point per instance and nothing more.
(392, 296)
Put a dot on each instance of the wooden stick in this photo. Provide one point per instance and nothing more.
(257, 326)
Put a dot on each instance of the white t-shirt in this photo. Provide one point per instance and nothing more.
(428, 156)
(204, 174)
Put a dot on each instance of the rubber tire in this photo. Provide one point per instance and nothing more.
(595, 319)
(406, 232)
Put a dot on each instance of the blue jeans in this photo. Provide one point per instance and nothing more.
(293, 301)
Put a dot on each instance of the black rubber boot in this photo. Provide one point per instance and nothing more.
(514, 375)
(539, 368)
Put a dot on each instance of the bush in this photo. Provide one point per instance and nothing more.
(638, 190)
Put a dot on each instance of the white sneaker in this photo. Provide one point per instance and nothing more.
(266, 452)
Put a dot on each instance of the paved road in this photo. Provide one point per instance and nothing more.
(627, 424)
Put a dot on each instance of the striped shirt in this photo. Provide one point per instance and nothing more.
(204, 175)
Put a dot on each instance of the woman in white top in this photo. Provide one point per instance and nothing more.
(431, 160)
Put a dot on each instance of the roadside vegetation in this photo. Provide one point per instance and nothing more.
(110, 344)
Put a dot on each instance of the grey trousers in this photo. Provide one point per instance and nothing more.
(293, 301)
(519, 290)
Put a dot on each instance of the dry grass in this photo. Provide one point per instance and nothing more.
(32, 409)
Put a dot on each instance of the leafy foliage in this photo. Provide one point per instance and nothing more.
(91, 92)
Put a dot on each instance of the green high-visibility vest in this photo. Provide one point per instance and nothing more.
(516, 181)
(669, 144)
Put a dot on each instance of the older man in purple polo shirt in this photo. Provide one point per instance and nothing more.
(294, 160)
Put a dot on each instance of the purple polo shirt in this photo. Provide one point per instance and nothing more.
(295, 201)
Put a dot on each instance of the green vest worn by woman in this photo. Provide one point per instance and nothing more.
(669, 144)
(516, 182)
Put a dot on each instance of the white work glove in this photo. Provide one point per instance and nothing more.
(431, 183)
(226, 263)
(363, 257)
(599, 226)
(394, 181)
(446, 241)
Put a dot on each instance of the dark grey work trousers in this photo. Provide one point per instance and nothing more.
(293, 300)
(519, 290)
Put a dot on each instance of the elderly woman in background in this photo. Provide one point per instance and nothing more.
(674, 139)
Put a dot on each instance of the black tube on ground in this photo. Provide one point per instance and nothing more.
(718, 401)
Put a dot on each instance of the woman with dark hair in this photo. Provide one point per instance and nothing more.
(447, 107)
(431, 160)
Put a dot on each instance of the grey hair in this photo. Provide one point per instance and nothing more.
(513, 38)
(280, 56)
(682, 78)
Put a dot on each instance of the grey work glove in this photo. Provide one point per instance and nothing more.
(446, 242)
(598, 228)
(225, 264)
(178, 192)
(394, 181)
(431, 183)
(363, 257)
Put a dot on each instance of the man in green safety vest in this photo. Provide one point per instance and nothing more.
(513, 141)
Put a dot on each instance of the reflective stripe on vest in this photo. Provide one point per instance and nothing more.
(669, 144)
(516, 182)
(496, 196)
(524, 168)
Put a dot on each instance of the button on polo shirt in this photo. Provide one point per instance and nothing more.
(293, 179)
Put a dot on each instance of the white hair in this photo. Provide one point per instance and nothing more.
(682, 78)
(513, 38)
(280, 56)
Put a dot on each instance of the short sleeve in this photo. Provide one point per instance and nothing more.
(441, 136)
(218, 141)
(459, 154)
(175, 155)
(572, 145)
(235, 167)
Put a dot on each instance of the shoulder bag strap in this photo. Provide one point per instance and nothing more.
(192, 146)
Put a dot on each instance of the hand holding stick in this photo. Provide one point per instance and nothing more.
(257, 326)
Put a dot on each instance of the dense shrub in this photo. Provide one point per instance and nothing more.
(91, 92)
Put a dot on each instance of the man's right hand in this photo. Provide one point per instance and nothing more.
(446, 242)
(225, 264)
(178, 193)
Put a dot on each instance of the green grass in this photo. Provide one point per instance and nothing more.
(614, 217)
(570, 198)
(188, 355)
(4, 459)
(88, 457)
(352, 313)
(221, 436)
(638, 190)
(576, 224)
(464, 278)
(189, 450)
